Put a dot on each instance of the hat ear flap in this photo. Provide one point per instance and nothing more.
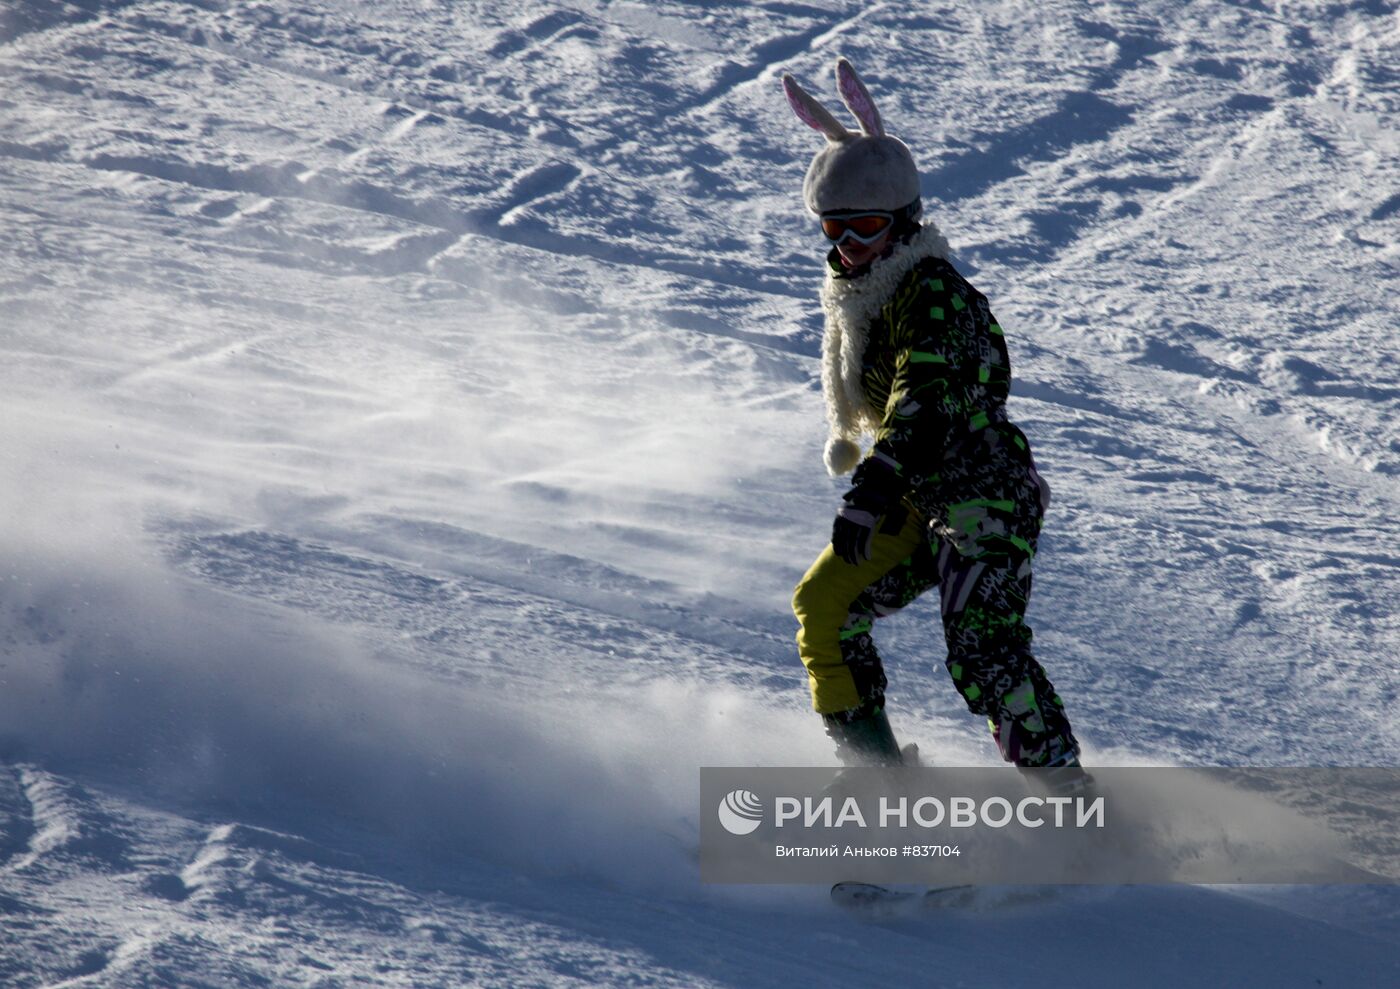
(857, 98)
(812, 113)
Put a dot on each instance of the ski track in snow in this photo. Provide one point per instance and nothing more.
(398, 393)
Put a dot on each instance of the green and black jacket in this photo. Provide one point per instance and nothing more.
(936, 371)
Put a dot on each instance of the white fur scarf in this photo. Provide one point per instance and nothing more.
(850, 304)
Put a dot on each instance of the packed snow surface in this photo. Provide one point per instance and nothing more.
(412, 435)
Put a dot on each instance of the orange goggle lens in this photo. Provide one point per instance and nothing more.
(864, 227)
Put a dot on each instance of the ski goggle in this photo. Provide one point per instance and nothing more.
(862, 226)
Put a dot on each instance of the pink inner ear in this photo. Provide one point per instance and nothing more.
(856, 98)
(799, 106)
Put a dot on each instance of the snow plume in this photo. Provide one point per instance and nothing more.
(1198, 827)
(115, 666)
(321, 408)
(598, 433)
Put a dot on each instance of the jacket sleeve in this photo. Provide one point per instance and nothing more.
(950, 365)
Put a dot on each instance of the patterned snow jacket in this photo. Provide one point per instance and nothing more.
(914, 356)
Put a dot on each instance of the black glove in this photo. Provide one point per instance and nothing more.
(875, 496)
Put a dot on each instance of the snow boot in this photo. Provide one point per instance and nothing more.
(865, 739)
(1052, 764)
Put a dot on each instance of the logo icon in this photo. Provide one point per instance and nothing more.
(741, 812)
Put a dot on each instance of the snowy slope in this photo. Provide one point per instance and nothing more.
(411, 436)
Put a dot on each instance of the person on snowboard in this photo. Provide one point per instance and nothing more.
(949, 495)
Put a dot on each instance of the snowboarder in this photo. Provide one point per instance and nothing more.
(949, 495)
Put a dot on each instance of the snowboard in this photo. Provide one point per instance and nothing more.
(877, 900)
(880, 902)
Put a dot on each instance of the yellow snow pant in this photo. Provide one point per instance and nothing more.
(822, 603)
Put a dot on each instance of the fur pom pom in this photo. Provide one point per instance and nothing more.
(841, 456)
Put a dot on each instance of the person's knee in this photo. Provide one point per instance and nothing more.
(981, 678)
(801, 595)
(816, 607)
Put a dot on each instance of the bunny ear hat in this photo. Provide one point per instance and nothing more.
(855, 170)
